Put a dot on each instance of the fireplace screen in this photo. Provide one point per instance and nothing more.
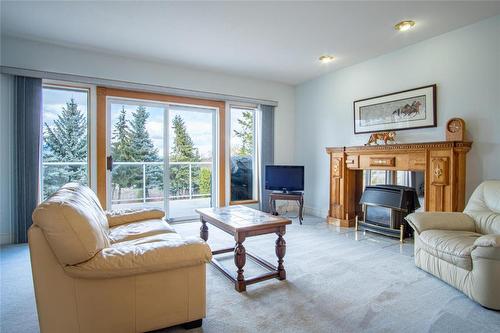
(378, 215)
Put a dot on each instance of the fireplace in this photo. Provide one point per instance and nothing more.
(385, 207)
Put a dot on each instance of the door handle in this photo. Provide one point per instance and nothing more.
(109, 163)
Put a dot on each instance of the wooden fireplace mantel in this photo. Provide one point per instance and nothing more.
(443, 163)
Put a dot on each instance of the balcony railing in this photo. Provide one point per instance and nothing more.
(143, 166)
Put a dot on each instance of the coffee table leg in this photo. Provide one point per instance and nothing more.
(239, 260)
(280, 253)
(203, 230)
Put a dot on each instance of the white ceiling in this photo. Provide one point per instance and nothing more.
(279, 41)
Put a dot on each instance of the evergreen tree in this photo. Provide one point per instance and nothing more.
(121, 151)
(205, 181)
(246, 134)
(142, 149)
(65, 141)
(67, 138)
(183, 150)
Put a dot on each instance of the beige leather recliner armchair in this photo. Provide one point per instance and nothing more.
(112, 272)
(463, 249)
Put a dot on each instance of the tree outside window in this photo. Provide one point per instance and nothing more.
(65, 138)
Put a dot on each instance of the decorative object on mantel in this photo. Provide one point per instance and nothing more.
(455, 129)
(384, 136)
(408, 109)
(444, 164)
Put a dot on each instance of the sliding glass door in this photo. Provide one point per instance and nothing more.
(160, 155)
(191, 167)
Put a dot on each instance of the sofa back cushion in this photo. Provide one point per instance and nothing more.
(484, 207)
(73, 223)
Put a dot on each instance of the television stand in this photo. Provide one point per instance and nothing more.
(287, 196)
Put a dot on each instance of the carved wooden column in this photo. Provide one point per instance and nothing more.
(203, 230)
(438, 170)
(342, 208)
(460, 176)
(280, 253)
(240, 259)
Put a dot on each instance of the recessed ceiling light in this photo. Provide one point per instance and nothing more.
(325, 59)
(404, 25)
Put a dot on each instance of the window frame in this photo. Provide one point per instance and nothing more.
(101, 171)
(71, 86)
(255, 154)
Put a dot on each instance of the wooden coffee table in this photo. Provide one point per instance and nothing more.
(242, 222)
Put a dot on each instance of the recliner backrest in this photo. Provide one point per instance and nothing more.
(73, 223)
(484, 207)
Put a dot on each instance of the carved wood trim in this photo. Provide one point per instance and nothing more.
(404, 147)
(337, 167)
(440, 171)
(383, 161)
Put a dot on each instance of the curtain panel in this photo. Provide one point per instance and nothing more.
(28, 132)
(267, 152)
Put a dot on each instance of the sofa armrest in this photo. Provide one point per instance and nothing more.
(485, 253)
(145, 255)
(488, 241)
(117, 217)
(440, 221)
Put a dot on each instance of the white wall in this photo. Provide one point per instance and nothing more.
(7, 157)
(465, 64)
(29, 54)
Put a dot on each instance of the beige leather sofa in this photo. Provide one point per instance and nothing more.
(112, 272)
(463, 249)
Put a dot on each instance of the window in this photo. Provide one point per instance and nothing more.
(243, 179)
(65, 147)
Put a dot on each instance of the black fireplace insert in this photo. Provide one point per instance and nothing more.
(385, 207)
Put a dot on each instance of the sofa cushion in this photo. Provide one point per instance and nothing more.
(73, 223)
(143, 255)
(454, 247)
(134, 230)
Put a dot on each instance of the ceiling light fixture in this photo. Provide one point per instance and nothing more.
(404, 25)
(325, 59)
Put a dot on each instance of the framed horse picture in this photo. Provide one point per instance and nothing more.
(408, 109)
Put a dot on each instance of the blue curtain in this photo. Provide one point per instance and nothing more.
(267, 151)
(28, 130)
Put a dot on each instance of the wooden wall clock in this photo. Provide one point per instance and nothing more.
(455, 129)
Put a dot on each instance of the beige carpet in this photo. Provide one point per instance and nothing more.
(338, 280)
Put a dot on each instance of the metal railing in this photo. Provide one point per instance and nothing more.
(143, 166)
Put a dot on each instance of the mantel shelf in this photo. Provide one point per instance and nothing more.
(404, 147)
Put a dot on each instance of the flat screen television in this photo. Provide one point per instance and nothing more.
(285, 178)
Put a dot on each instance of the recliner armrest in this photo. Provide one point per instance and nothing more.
(145, 255)
(440, 221)
(488, 241)
(117, 217)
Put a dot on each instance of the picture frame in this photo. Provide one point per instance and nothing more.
(402, 110)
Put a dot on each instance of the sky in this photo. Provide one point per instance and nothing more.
(55, 99)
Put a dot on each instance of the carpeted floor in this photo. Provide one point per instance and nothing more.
(338, 280)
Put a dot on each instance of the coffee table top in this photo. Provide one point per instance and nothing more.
(241, 218)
